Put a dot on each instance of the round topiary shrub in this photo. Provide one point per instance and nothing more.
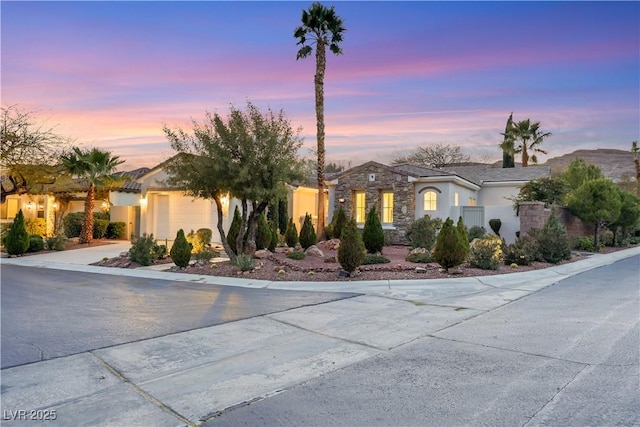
(72, 224)
(351, 252)
(181, 250)
(36, 243)
(17, 239)
(308, 235)
(100, 228)
(116, 230)
(372, 235)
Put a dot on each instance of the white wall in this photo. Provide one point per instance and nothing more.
(493, 194)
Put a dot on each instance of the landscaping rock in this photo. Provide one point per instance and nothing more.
(421, 270)
(124, 254)
(262, 254)
(418, 251)
(313, 250)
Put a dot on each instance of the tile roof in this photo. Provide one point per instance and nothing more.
(479, 174)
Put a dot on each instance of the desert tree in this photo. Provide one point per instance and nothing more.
(323, 27)
(96, 169)
(248, 154)
(433, 156)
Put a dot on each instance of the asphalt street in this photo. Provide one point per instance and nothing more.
(49, 313)
(565, 355)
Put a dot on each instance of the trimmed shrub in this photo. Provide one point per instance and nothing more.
(245, 262)
(308, 235)
(181, 250)
(100, 228)
(524, 251)
(263, 234)
(449, 251)
(422, 232)
(291, 235)
(495, 225)
(55, 243)
(375, 259)
(234, 230)
(35, 226)
(419, 258)
(17, 239)
(144, 250)
(116, 230)
(199, 240)
(273, 242)
(102, 215)
(476, 232)
(584, 243)
(36, 243)
(554, 242)
(296, 255)
(462, 230)
(338, 222)
(351, 251)
(205, 256)
(486, 253)
(372, 235)
(72, 224)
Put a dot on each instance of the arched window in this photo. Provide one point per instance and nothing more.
(430, 201)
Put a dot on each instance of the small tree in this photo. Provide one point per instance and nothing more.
(234, 229)
(263, 236)
(17, 240)
(308, 235)
(449, 251)
(372, 235)
(273, 242)
(338, 222)
(554, 241)
(422, 232)
(181, 250)
(351, 252)
(464, 235)
(291, 235)
(495, 225)
(629, 214)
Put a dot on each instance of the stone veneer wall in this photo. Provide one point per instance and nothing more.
(534, 215)
(385, 180)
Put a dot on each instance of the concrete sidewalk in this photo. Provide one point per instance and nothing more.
(186, 378)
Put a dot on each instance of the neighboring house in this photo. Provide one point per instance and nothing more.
(121, 202)
(406, 192)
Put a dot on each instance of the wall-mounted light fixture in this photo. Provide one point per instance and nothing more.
(55, 205)
(29, 205)
(143, 201)
(341, 200)
(225, 200)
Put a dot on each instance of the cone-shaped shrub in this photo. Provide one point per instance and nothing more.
(449, 251)
(273, 242)
(554, 242)
(291, 235)
(372, 235)
(351, 252)
(462, 230)
(17, 240)
(234, 229)
(263, 235)
(308, 235)
(181, 250)
(338, 222)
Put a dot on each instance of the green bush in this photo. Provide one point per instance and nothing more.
(450, 250)
(476, 232)
(308, 235)
(584, 243)
(55, 243)
(72, 224)
(296, 255)
(116, 230)
(351, 252)
(245, 262)
(554, 242)
(291, 235)
(375, 259)
(486, 253)
(143, 250)
(205, 256)
(263, 234)
(495, 225)
(100, 228)
(422, 232)
(234, 230)
(462, 231)
(338, 222)
(200, 239)
(102, 215)
(181, 250)
(273, 242)
(524, 251)
(17, 239)
(419, 258)
(372, 235)
(35, 226)
(36, 243)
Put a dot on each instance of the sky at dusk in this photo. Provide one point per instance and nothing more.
(110, 74)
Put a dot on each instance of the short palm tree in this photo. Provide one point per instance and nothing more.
(322, 26)
(98, 169)
(530, 137)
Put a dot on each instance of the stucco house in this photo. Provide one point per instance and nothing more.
(403, 193)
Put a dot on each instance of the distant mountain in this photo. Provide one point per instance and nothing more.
(615, 164)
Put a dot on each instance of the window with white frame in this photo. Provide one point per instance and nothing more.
(360, 207)
(472, 201)
(387, 207)
(430, 201)
(456, 199)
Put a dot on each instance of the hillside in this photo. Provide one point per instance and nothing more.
(615, 164)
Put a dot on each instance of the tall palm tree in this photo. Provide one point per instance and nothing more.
(635, 150)
(322, 26)
(97, 168)
(530, 137)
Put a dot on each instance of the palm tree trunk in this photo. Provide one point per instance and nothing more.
(321, 63)
(86, 235)
(637, 163)
(525, 155)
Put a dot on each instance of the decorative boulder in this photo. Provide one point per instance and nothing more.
(314, 251)
(262, 254)
(418, 251)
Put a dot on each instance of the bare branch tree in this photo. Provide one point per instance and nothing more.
(434, 156)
